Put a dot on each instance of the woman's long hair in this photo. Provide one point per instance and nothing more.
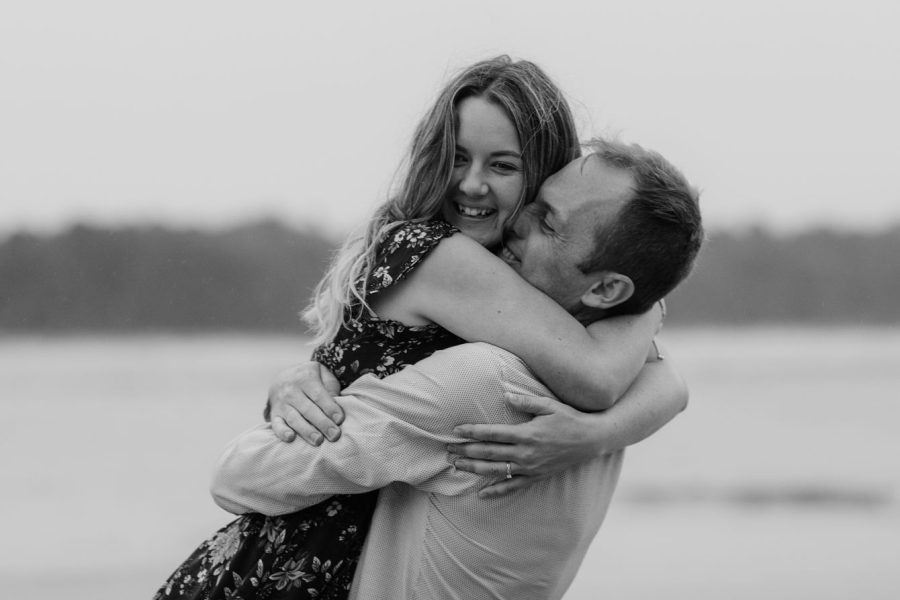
(548, 139)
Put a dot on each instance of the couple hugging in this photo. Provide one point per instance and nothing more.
(485, 350)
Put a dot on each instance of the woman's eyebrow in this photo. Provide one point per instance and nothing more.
(511, 153)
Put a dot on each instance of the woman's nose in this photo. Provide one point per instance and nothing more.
(473, 184)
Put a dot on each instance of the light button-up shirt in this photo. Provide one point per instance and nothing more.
(432, 537)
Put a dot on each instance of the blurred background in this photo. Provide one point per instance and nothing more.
(174, 177)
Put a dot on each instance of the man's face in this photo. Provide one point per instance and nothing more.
(555, 233)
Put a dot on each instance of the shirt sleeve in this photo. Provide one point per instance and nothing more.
(396, 430)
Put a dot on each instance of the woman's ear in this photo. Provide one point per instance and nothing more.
(608, 290)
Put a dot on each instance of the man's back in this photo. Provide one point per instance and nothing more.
(529, 544)
(432, 536)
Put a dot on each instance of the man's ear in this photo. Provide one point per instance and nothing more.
(608, 290)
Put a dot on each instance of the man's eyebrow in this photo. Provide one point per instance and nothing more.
(544, 205)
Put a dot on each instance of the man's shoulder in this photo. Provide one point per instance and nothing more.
(480, 353)
(479, 360)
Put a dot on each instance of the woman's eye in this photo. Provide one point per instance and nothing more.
(505, 167)
(459, 159)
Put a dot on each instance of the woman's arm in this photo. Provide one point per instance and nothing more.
(559, 437)
(472, 293)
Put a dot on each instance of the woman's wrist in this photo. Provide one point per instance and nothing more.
(602, 434)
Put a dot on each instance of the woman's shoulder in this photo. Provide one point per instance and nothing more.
(415, 235)
(404, 248)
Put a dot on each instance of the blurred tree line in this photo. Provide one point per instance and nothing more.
(259, 276)
(255, 277)
(812, 277)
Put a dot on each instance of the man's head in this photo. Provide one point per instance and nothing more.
(611, 233)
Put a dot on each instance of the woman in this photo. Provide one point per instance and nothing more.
(411, 286)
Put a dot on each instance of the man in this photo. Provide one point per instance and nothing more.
(611, 233)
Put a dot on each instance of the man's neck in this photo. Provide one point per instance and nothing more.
(587, 314)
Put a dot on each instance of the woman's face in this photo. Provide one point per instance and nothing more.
(487, 176)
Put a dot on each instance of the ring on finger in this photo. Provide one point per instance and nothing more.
(508, 471)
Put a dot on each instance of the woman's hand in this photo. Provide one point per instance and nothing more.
(556, 438)
(301, 401)
(559, 436)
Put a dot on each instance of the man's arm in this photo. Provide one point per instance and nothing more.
(396, 429)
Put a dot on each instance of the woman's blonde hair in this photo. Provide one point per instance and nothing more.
(548, 139)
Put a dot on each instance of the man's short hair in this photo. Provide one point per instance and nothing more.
(655, 238)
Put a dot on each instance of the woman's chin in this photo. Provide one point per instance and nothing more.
(485, 233)
(487, 237)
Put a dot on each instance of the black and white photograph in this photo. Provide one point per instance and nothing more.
(475, 300)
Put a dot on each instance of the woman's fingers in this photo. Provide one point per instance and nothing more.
(489, 468)
(477, 450)
(497, 471)
(510, 434)
(535, 405)
(505, 434)
(505, 486)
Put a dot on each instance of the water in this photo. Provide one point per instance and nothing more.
(781, 480)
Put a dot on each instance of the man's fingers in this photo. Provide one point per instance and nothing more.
(307, 383)
(331, 384)
(495, 452)
(309, 414)
(282, 431)
(504, 434)
(325, 401)
(304, 429)
(321, 422)
(505, 486)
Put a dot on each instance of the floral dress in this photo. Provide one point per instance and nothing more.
(313, 553)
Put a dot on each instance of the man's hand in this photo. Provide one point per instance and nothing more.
(557, 437)
(302, 403)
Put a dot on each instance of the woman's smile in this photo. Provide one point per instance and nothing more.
(473, 212)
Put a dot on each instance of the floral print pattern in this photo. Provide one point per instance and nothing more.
(313, 553)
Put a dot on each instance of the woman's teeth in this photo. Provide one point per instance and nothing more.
(474, 212)
(508, 256)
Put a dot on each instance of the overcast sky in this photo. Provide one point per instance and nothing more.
(206, 113)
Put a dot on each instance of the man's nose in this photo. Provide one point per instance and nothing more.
(473, 183)
(522, 224)
(513, 232)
